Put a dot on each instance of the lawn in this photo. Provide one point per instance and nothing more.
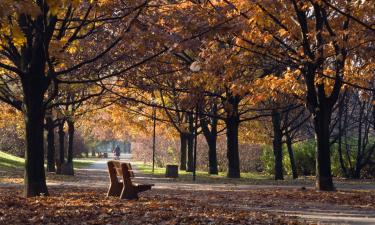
(204, 177)
(248, 178)
(9, 162)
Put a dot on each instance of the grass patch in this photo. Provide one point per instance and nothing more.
(85, 162)
(8, 161)
(251, 178)
(204, 177)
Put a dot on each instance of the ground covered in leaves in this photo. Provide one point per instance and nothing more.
(91, 206)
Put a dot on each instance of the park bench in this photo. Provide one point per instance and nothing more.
(126, 188)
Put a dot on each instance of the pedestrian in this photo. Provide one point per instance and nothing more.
(117, 152)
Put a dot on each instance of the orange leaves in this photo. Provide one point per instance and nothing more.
(273, 87)
(283, 32)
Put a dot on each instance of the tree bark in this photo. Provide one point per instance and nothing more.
(277, 145)
(291, 156)
(212, 157)
(232, 124)
(183, 141)
(71, 131)
(62, 142)
(322, 120)
(190, 144)
(50, 144)
(211, 139)
(35, 180)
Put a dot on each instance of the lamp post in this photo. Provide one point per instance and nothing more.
(153, 134)
(195, 67)
(195, 143)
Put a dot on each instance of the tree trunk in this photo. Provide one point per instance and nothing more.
(67, 168)
(62, 142)
(211, 138)
(322, 119)
(232, 123)
(277, 145)
(190, 145)
(183, 140)
(71, 131)
(35, 179)
(50, 144)
(340, 134)
(212, 158)
(291, 156)
(190, 153)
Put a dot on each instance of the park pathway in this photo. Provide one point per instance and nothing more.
(96, 176)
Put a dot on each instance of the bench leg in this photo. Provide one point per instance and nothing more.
(129, 193)
(115, 189)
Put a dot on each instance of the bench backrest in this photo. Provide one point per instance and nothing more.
(123, 169)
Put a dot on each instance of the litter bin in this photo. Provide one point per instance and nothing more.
(171, 171)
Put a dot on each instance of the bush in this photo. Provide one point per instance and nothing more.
(304, 154)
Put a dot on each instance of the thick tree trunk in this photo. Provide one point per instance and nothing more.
(50, 144)
(35, 180)
(183, 140)
(291, 156)
(211, 139)
(212, 157)
(277, 145)
(322, 120)
(232, 124)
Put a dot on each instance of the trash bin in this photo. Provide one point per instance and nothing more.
(171, 171)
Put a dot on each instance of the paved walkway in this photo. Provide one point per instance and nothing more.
(96, 175)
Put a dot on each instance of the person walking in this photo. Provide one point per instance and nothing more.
(117, 152)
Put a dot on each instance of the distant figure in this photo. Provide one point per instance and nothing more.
(117, 152)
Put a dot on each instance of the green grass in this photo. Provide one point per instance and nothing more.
(10, 162)
(251, 178)
(204, 177)
(85, 162)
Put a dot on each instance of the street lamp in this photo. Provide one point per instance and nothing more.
(153, 134)
(195, 67)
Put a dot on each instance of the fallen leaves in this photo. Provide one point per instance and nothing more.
(159, 206)
(91, 206)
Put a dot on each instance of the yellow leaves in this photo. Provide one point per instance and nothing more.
(283, 32)
(14, 32)
(72, 49)
(18, 36)
(267, 38)
(276, 87)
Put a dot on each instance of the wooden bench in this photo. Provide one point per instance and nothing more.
(125, 189)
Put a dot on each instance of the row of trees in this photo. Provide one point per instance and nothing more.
(220, 63)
